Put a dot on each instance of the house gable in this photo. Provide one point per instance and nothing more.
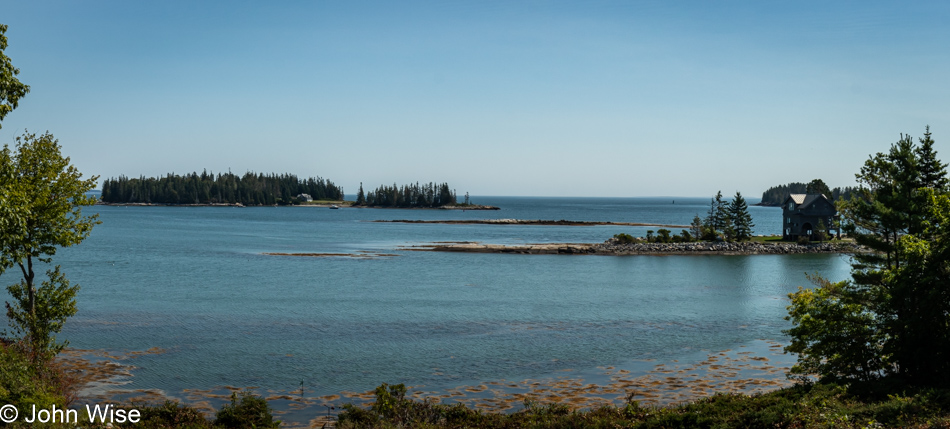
(802, 214)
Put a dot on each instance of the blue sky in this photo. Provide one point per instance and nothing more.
(497, 98)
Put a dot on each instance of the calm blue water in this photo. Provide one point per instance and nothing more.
(193, 281)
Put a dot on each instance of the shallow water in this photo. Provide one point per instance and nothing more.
(193, 281)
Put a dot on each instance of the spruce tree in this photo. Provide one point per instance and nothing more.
(931, 168)
(740, 219)
(360, 196)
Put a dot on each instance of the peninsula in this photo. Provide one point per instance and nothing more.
(615, 248)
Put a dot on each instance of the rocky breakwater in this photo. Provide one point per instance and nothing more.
(613, 247)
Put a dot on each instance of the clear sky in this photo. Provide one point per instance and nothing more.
(629, 98)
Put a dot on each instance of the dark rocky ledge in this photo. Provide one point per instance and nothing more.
(611, 247)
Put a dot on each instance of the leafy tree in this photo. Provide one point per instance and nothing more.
(43, 199)
(740, 218)
(11, 89)
(833, 335)
(893, 317)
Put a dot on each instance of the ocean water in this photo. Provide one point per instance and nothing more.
(194, 282)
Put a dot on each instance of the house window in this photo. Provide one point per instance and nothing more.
(788, 220)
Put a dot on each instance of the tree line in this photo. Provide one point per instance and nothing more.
(776, 195)
(226, 188)
(407, 196)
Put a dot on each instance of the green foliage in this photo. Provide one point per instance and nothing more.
(891, 319)
(833, 335)
(821, 230)
(246, 411)
(776, 195)
(684, 237)
(24, 384)
(169, 415)
(408, 196)
(740, 218)
(801, 406)
(696, 228)
(717, 217)
(729, 220)
(227, 188)
(818, 186)
(11, 89)
(360, 196)
(624, 238)
(54, 301)
(43, 196)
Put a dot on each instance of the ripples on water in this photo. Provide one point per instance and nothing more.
(193, 281)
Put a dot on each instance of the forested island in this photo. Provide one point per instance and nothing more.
(227, 188)
(429, 195)
(257, 189)
(776, 195)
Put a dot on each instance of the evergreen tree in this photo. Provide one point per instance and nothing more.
(891, 318)
(696, 228)
(360, 197)
(740, 219)
(818, 186)
(930, 167)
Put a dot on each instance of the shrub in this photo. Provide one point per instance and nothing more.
(24, 384)
(250, 411)
(171, 414)
(624, 238)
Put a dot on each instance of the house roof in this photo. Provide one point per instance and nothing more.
(805, 200)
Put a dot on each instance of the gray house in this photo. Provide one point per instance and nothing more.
(802, 214)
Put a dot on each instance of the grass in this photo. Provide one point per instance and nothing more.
(768, 239)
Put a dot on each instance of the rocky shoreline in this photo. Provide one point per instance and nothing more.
(611, 247)
(561, 222)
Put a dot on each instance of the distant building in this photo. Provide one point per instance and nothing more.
(304, 197)
(802, 214)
